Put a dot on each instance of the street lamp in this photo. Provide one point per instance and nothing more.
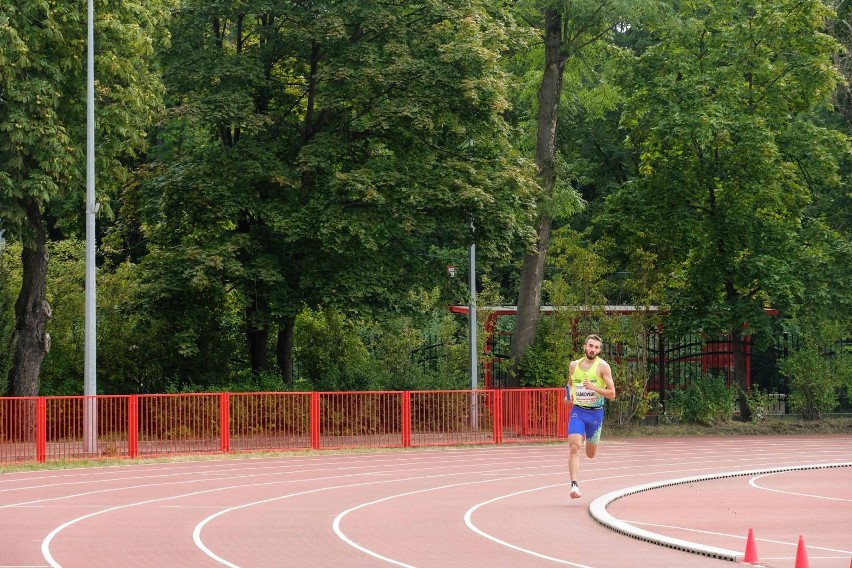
(90, 408)
(474, 364)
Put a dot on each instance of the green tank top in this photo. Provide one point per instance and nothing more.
(582, 396)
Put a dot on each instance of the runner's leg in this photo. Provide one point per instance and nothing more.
(593, 434)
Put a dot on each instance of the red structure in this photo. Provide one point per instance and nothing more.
(495, 312)
(42, 429)
(714, 354)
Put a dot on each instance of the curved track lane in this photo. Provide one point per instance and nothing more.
(492, 506)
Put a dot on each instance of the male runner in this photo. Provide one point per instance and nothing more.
(589, 383)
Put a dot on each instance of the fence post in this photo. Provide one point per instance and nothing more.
(224, 423)
(405, 418)
(661, 367)
(41, 429)
(315, 421)
(497, 415)
(133, 426)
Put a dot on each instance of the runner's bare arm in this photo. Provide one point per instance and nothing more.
(571, 366)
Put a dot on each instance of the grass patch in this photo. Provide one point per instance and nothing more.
(771, 426)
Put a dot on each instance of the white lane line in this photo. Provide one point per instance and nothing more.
(598, 510)
(339, 532)
(769, 540)
(196, 533)
(284, 465)
(753, 482)
(45, 545)
(558, 463)
(256, 472)
(469, 513)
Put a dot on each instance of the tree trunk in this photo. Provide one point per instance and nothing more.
(284, 350)
(532, 272)
(738, 347)
(258, 340)
(30, 340)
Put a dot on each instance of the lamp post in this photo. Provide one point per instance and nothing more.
(90, 408)
(474, 364)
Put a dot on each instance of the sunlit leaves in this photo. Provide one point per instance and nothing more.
(721, 115)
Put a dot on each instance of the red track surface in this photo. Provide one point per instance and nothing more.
(502, 506)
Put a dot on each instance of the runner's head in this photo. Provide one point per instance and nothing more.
(592, 346)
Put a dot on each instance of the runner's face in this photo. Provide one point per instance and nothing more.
(592, 348)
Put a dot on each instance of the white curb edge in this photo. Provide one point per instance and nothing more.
(598, 511)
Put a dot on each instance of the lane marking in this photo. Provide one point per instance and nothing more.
(740, 537)
(469, 514)
(598, 510)
(339, 532)
(753, 483)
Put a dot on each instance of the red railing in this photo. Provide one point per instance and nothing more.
(39, 429)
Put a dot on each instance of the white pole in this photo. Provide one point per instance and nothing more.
(90, 409)
(474, 365)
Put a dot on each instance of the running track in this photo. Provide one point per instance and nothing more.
(499, 506)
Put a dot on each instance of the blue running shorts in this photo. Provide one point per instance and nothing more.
(587, 422)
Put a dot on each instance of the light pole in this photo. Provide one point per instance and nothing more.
(474, 364)
(90, 408)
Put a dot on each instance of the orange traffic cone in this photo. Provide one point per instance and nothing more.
(802, 554)
(751, 549)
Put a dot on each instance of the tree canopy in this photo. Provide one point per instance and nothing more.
(283, 185)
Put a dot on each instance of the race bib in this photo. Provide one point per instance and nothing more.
(585, 396)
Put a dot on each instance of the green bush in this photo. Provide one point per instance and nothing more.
(815, 380)
(706, 400)
(329, 352)
(758, 404)
(632, 401)
(546, 362)
(9, 286)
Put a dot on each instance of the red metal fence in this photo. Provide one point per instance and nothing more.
(40, 429)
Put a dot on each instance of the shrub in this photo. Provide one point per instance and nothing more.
(814, 381)
(706, 400)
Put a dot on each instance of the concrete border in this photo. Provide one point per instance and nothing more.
(598, 510)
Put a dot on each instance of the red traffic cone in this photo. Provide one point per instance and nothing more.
(802, 554)
(751, 549)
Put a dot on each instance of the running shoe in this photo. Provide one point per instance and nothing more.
(575, 491)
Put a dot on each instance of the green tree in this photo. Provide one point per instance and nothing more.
(569, 30)
(330, 154)
(819, 368)
(42, 121)
(9, 281)
(721, 114)
(841, 28)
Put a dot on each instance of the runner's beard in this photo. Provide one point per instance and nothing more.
(590, 357)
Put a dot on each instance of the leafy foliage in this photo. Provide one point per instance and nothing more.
(721, 117)
(818, 369)
(328, 154)
(707, 401)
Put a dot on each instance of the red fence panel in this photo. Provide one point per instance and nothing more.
(360, 420)
(534, 415)
(133, 426)
(179, 424)
(90, 427)
(96, 427)
(18, 429)
(270, 421)
(449, 418)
